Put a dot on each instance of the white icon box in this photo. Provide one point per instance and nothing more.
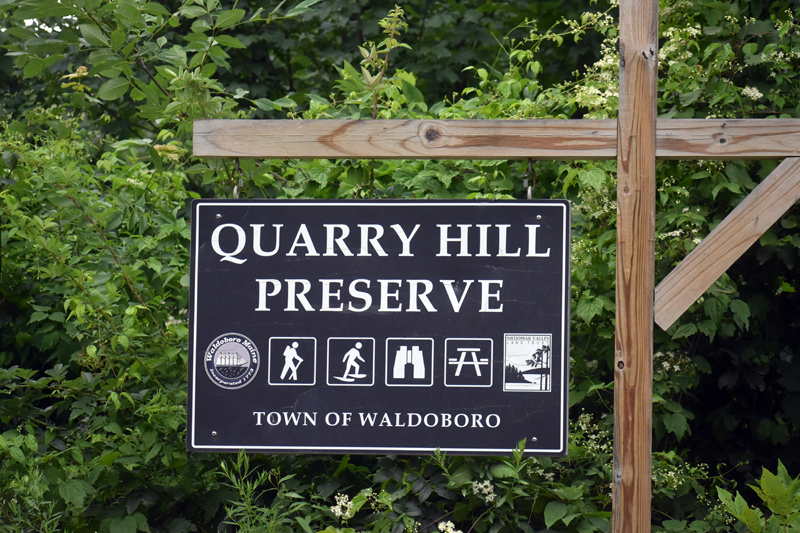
(292, 361)
(468, 362)
(409, 362)
(351, 362)
(527, 362)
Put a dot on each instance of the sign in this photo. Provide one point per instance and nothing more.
(379, 326)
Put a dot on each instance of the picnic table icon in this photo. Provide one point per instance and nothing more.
(475, 362)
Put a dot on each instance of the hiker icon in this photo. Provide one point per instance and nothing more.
(292, 361)
(351, 361)
(290, 353)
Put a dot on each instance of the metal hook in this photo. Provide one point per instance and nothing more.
(525, 181)
(238, 188)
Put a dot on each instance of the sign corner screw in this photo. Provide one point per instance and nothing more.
(213, 433)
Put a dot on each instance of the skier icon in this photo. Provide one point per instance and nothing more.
(290, 354)
(351, 358)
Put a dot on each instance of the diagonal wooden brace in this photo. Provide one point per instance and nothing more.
(727, 242)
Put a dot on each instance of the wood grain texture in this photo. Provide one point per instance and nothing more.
(727, 242)
(406, 139)
(636, 171)
(489, 139)
(727, 139)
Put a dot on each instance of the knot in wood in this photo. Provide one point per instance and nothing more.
(432, 134)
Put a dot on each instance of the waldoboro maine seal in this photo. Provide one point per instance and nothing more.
(232, 361)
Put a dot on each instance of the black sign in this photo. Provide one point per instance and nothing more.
(379, 326)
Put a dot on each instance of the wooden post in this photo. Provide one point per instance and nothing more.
(636, 166)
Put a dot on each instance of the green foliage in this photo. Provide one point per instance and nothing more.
(96, 174)
(779, 493)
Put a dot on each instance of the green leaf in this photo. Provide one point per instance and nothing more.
(33, 67)
(227, 19)
(192, 11)
(305, 523)
(411, 93)
(503, 470)
(129, 11)
(227, 40)
(740, 309)
(109, 458)
(685, 330)
(113, 88)
(553, 512)
(153, 452)
(118, 39)
(588, 307)
(31, 443)
(758, 27)
(285, 102)
(714, 308)
(154, 8)
(265, 104)
(592, 177)
(707, 327)
(18, 454)
(123, 525)
(461, 476)
(674, 525)
(141, 522)
(124, 341)
(37, 316)
(181, 525)
(93, 35)
(302, 7)
(676, 423)
(775, 494)
(73, 492)
(690, 97)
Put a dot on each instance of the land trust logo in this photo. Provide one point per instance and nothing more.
(232, 361)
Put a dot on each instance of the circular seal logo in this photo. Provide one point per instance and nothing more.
(232, 361)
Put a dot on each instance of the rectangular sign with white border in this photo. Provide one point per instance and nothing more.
(379, 326)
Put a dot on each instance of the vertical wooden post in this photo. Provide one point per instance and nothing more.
(636, 165)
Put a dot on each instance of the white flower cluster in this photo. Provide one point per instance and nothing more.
(485, 488)
(675, 6)
(597, 440)
(752, 93)
(582, 251)
(670, 476)
(343, 508)
(670, 361)
(549, 476)
(672, 31)
(448, 527)
(670, 234)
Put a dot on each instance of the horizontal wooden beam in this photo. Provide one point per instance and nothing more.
(489, 139)
(728, 139)
(406, 139)
(727, 242)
